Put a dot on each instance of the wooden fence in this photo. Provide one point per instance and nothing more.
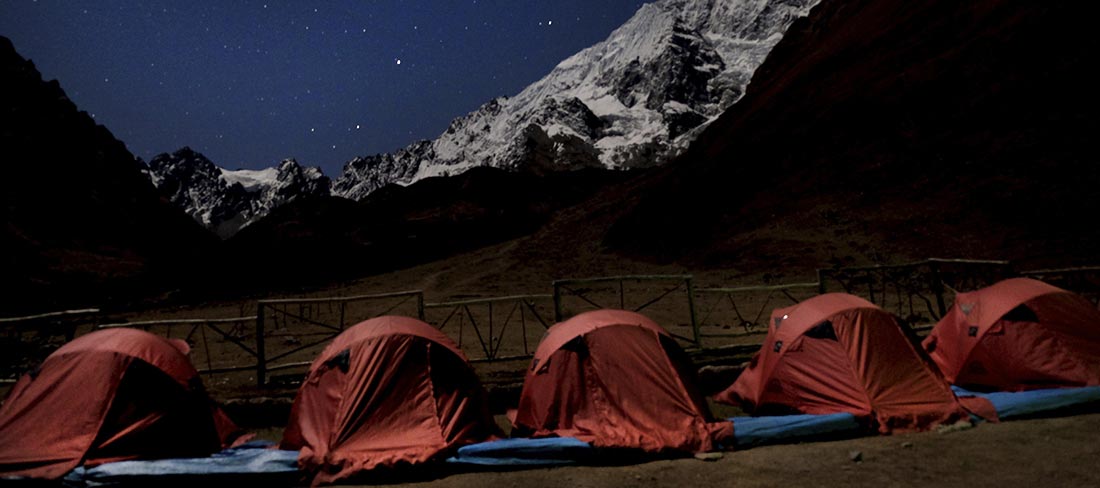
(206, 352)
(26, 341)
(288, 333)
(918, 293)
(667, 299)
(294, 330)
(500, 325)
(1082, 280)
(746, 307)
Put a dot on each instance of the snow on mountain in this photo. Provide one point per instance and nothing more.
(227, 200)
(251, 179)
(635, 99)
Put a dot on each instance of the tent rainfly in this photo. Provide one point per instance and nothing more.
(840, 353)
(616, 379)
(386, 393)
(111, 395)
(1019, 334)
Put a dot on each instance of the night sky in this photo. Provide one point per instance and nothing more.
(249, 83)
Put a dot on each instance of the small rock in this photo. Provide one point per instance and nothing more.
(708, 456)
(855, 456)
(955, 427)
(907, 445)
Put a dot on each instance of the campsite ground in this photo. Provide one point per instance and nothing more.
(1043, 452)
(1039, 452)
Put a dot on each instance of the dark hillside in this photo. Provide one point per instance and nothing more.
(316, 240)
(880, 130)
(81, 224)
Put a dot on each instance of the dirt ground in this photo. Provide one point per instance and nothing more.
(1040, 452)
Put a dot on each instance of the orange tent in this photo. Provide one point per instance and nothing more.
(387, 392)
(840, 353)
(111, 395)
(616, 379)
(1019, 334)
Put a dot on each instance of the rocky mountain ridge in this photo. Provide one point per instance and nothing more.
(224, 200)
(634, 100)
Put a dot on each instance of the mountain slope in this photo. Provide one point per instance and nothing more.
(81, 223)
(225, 200)
(314, 240)
(886, 129)
(875, 132)
(632, 100)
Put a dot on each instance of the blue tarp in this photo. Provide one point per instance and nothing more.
(548, 451)
(555, 451)
(251, 462)
(751, 431)
(1010, 404)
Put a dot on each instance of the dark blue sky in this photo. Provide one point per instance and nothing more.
(249, 83)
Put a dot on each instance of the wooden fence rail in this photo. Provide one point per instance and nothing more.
(743, 301)
(918, 291)
(233, 330)
(291, 329)
(1084, 280)
(318, 320)
(27, 340)
(579, 288)
(490, 330)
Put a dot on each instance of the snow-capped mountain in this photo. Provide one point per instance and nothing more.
(635, 99)
(226, 200)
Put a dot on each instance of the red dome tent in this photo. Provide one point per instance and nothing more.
(1019, 334)
(387, 392)
(616, 379)
(111, 395)
(840, 353)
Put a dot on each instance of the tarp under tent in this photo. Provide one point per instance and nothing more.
(1019, 334)
(559, 451)
(110, 395)
(252, 464)
(616, 379)
(1009, 405)
(386, 393)
(838, 353)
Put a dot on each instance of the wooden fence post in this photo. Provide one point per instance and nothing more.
(937, 288)
(557, 303)
(420, 306)
(691, 310)
(261, 356)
